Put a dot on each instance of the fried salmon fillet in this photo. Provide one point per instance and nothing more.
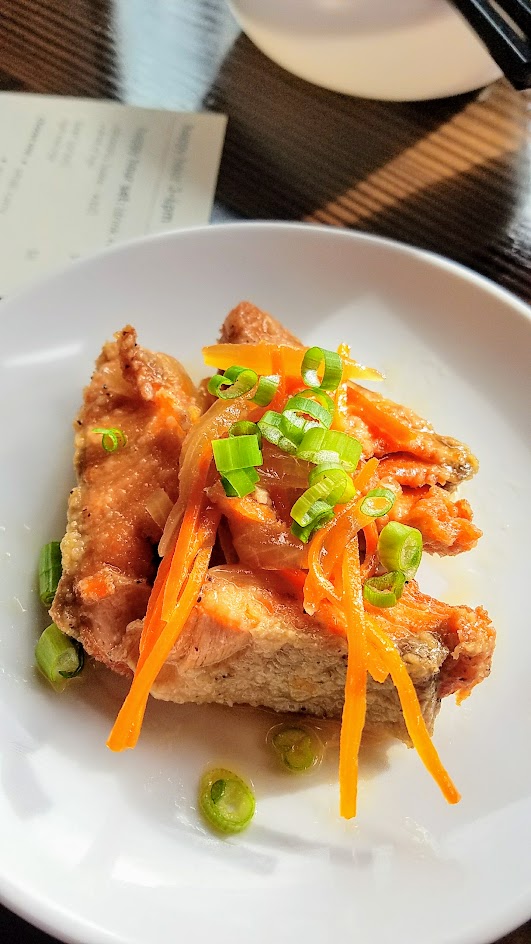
(412, 455)
(108, 552)
(248, 641)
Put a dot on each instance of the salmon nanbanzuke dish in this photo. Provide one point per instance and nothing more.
(255, 541)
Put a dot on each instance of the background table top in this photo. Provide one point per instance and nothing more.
(453, 176)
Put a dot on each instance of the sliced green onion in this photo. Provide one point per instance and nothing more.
(240, 482)
(50, 570)
(312, 403)
(236, 452)
(226, 801)
(337, 475)
(266, 389)
(330, 489)
(58, 656)
(246, 428)
(235, 382)
(111, 438)
(385, 590)
(333, 368)
(400, 548)
(297, 748)
(272, 428)
(378, 502)
(323, 513)
(293, 425)
(330, 445)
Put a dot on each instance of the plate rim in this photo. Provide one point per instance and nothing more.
(408, 249)
(41, 911)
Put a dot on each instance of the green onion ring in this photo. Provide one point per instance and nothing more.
(50, 570)
(240, 482)
(236, 452)
(237, 380)
(330, 489)
(58, 656)
(386, 590)
(322, 512)
(225, 800)
(111, 438)
(330, 445)
(378, 502)
(246, 428)
(333, 368)
(337, 475)
(297, 747)
(272, 428)
(400, 548)
(266, 389)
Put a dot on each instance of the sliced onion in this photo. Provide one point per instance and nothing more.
(262, 551)
(159, 505)
(283, 470)
(215, 423)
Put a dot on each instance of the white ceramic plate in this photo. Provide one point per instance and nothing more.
(102, 848)
(400, 50)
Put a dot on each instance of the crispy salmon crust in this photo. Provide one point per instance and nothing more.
(248, 641)
(108, 551)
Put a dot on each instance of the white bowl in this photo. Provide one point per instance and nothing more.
(398, 50)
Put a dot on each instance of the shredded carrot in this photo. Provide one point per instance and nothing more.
(128, 724)
(317, 586)
(365, 474)
(259, 357)
(379, 417)
(152, 619)
(190, 536)
(335, 621)
(277, 367)
(354, 708)
(326, 551)
(375, 664)
(370, 532)
(411, 710)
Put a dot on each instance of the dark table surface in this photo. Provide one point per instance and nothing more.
(453, 175)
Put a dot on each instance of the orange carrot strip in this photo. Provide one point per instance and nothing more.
(411, 710)
(331, 541)
(128, 724)
(379, 417)
(158, 586)
(277, 367)
(365, 474)
(375, 665)
(317, 586)
(355, 705)
(259, 357)
(370, 532)
(189, 539)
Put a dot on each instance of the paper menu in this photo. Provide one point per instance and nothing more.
(77, 175)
